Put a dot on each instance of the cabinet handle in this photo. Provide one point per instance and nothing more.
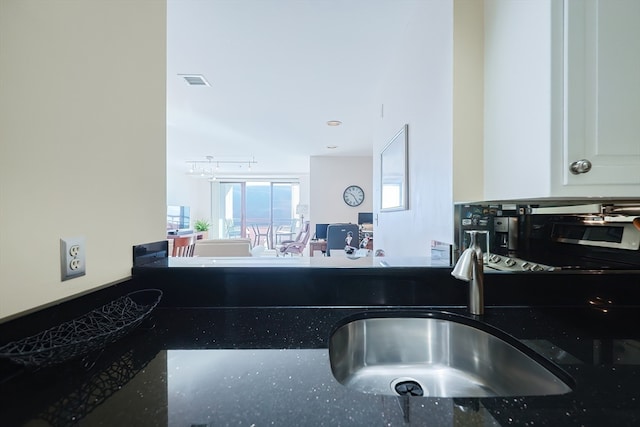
(581, 166)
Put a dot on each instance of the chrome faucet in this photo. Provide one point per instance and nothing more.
(470, 269)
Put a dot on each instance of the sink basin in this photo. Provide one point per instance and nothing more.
(438, 354)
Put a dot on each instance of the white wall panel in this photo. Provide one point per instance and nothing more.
(418, 90)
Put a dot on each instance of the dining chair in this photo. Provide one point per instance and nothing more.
(183, 246)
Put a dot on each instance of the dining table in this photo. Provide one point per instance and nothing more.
(260, 231)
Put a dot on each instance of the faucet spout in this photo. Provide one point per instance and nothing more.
(470, 268)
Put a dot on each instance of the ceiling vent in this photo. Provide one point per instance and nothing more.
(195, 79)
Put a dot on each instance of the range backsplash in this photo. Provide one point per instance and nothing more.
(573, 236)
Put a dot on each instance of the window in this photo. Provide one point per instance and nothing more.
(259, 210)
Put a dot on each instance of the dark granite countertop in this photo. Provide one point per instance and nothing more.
(249, 347)
(270, 366)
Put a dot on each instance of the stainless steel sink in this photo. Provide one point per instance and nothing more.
(438, 354)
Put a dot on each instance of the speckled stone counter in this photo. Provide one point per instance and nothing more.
(202, 283)
(248, 346)
(270, 366)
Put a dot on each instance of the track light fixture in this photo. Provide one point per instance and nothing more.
(206, 168)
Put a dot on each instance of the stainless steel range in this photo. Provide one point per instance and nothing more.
(531, 238)
(509, 263)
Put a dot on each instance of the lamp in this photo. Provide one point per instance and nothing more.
(302, 210)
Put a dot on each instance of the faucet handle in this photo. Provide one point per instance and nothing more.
(463, 269)
(474, 243)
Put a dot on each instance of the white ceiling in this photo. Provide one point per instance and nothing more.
(278, 71)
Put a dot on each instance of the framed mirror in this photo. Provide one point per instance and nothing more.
(394, 186)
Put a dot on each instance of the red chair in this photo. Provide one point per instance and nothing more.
(297, 246)
(183, 246)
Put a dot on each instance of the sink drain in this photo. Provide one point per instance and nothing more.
(408, 388)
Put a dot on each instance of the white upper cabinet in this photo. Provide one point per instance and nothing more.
(602, 90)
(562, 93)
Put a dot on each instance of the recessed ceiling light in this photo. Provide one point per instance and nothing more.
(332, 147)
(195, 79)
(334, 123)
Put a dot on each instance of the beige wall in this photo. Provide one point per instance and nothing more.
(328, 179)
(468, 100)
(82, 117)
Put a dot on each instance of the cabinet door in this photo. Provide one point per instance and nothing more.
(602, 91)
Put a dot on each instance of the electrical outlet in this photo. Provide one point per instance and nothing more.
(74, 251)
(72, 257)
(75, 264)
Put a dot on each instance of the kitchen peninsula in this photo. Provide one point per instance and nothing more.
(247, 346)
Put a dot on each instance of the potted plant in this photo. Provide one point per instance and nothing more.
(202, 226)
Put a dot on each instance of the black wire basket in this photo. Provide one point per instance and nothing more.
(89, 332)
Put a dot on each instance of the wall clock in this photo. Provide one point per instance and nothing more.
(353, 195)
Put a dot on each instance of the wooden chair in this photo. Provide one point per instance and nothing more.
(183, 246)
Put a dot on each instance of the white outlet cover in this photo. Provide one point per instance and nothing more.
(72, 266)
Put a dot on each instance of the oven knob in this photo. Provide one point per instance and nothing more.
(509, 262)
(495, 258)
(537, 267)
(526, 266)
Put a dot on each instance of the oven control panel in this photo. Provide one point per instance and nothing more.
(505, 263)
